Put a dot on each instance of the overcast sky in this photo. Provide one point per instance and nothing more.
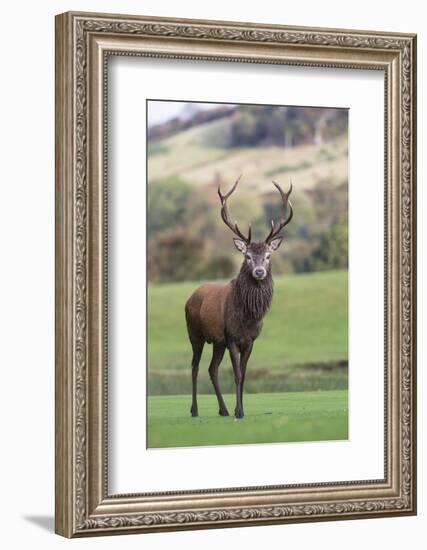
(161, 111)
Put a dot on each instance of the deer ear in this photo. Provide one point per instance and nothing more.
(240, 245)
(275, 243)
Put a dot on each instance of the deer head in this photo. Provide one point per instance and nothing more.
(257, 254)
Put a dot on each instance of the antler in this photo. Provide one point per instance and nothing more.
(224, 214)
(275, 230)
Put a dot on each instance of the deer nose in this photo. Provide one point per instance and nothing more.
(259, 273)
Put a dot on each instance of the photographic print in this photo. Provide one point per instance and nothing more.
(247, 245)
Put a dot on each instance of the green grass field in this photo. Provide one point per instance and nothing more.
(269, 418)
(302, 347)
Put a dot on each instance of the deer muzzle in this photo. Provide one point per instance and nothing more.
(259, 273)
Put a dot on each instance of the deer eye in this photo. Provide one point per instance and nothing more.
(267, 256)
(248, 256)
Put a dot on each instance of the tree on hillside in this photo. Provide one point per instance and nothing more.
(243, 129)
(254, 125)
(329, 202)
(332, 251)
(218, 267)
(175, 255)
(167, 203)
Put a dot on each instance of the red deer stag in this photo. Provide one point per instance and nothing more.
(229, 315)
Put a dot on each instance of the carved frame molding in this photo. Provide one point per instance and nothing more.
(83, 43)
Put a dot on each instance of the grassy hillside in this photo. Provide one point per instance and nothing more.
(196, 156)
(269, 418)
(303, 345)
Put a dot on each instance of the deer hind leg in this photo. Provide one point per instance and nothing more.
(197, 344)
(218, 354)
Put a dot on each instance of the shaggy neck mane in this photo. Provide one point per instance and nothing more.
(251, 296)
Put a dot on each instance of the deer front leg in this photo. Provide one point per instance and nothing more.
(244, 358)
(235, 360)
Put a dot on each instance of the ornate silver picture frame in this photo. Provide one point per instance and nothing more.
(84, 42)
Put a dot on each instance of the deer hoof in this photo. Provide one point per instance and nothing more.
(223, 412)
(238, 414)
(194, 412)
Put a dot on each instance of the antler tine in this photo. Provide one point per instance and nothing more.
(224, 213)
(225, 197)
(249, 234)
(275, 230)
